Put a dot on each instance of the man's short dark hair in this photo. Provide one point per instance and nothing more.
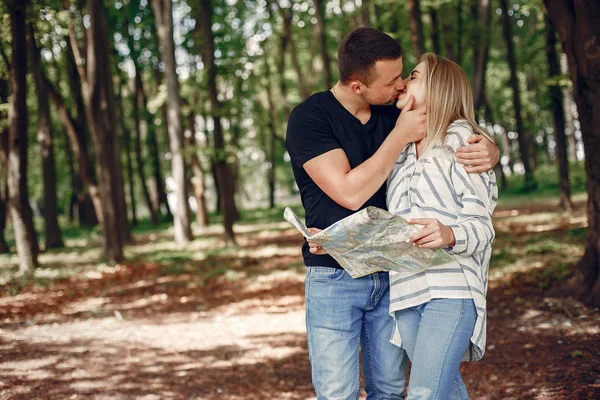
(359, 51)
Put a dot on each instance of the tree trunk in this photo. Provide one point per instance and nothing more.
(568, 106)
(365, 14)
(100, 113)
(141, 117)
(481, 52)
(556, 101)
(18, 199)
(435, 30)
(198, 176)
(3, 168)
(512, 63)
(271, 120)
(579, 32)
(320, 14)
(89, 195)
(46, 141)
(223, 171)
(287, 28)
(163, 12)
(448, 32)
(416, 28)
(459, 31)
(77, 137)
(127, 144)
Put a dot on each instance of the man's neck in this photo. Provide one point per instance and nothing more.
(352, 102)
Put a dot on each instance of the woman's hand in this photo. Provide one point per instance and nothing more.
(479, 156)
(433, 234)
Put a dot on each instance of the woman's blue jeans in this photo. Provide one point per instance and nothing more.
(342, 313)
(436, 336)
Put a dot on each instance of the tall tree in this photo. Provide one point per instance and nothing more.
(556, 102)
(85, 184)
(3, 166)
(126, 138)
(577, 25)
(365, 14)
(98, 92)
(322, 34)
(46, 140)
(435, 30)
(224, 179)
(514, 83)
(163, 13)
(481, 12)
(416, 28)
(568, 106)
(198, 184)
(18, 199)
(286, 14)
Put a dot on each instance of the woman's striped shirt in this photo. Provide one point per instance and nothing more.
(437, 186)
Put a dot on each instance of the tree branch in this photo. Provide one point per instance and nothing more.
(79, 61)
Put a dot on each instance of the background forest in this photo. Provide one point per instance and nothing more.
(145, 139)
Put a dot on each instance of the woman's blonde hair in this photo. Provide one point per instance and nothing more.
(449, 98)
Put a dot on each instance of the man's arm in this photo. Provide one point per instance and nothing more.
(352, 187)
(479, 156)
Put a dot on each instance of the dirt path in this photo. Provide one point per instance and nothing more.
(136, 332)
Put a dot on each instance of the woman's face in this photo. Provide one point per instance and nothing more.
(416, 85)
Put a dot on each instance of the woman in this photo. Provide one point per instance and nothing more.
(440, 314)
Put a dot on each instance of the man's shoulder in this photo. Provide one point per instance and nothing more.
(390, 111)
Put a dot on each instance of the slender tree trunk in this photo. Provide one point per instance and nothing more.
(86, 171)
(320, 14)
(100, 112)
(435, 30)
(416, 28)
(141, 117)
(556, 100)
(512, 63)
(46, 141)
(577, 25)
(198, 176)
(287, 28)
(163, 12)
(18, 199)
(568, 106)
(365, 13)
(459, 31)
(223, 171)
(283, 46)
(481, 51)
(3, 168)
(127, 144)
(447, 28)
(271, 120)
(88, 198)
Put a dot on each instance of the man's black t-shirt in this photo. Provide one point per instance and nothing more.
(321, 124)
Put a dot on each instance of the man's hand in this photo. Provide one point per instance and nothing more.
(410, 125)
(433, 234)
(479, 156)
(315, 248)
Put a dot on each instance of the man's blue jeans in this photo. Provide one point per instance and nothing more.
(436, 336)
(342, 312)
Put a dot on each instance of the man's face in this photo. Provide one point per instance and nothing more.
(387, 83)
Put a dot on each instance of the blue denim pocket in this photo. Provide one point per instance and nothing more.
(324, 274)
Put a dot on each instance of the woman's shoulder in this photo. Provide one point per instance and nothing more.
(457, 134)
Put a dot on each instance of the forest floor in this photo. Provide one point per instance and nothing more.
(211, 323)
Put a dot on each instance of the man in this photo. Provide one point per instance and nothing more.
(343, 144)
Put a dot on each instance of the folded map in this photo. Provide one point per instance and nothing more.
(372, 240)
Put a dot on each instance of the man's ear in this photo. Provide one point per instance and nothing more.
(357, 87)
